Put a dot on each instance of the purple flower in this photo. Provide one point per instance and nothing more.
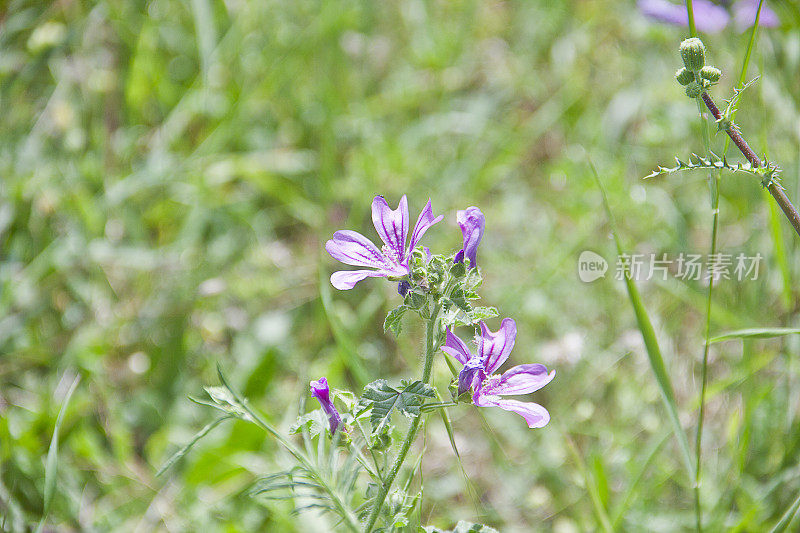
(488, 388)
(744, 15)
(391, 260)
(472, 222)
(320, 391)
(708, 16)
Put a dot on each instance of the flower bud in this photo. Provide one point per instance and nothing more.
(694, 89)
(684, 76)
(693, 54)
(711, 74)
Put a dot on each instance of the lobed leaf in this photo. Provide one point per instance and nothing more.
(385, 399)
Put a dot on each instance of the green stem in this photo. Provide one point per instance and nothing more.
(430, 350)
(714, 182)
(690, 15)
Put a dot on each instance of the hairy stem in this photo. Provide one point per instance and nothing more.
(714, 182)
(774, 188)
(430, 349)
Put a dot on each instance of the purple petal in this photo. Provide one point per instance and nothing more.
(744, 15)
(456, 347)
(472, 222)
(494, 348)
(470, 376)
(320, 391)
(392, 226)
(534, 414)
(352, 248)
(344, 280)
(708, 17)
(521, 379)
(425, 221)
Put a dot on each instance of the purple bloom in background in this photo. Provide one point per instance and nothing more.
(471, 221)
(708, 16)
(320, 391)
(744, 15)
(352, 248)
(489, 389)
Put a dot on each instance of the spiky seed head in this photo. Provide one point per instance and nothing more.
(693, 53)
(684, 76)
(694, 89)
(711, 74)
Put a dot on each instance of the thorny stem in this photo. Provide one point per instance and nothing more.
(430, 349)
(774, 188)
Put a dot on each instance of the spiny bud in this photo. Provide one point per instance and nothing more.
(711, 74)
(684, 76)
(694, 89)
(693, 54)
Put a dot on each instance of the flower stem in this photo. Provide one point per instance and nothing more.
(714, 183)
(774, 188)
(430, 349)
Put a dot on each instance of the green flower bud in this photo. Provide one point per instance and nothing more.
(694, 89)
(711, 74)
(693, 54)
(684, 76)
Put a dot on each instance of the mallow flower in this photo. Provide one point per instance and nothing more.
(472, 222)
(708, 16)
(489, 388)
(320, 391)
(391, 260)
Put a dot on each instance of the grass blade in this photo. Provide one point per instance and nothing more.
(754, 333)
(51, 466)
(651, 344)
(199, 435)
(787, 517)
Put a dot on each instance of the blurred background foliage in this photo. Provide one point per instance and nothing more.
(170, 172)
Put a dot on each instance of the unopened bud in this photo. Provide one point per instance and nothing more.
(694, 89)
(711, 74)
(693, 53)
(684, 76)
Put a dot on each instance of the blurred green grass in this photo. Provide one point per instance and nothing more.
(171, 170)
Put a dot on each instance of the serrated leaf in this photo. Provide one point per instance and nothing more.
(482, 313)
(393, 319)
(459, 299)
(316, 422)
(462, 527)
(385, 399)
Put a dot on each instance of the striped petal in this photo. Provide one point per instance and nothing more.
(534, 414)
(456, 347)
(425, 221)
(521, 379)
(494, 348)
(391, 225)
(352, 248)
(344, 280)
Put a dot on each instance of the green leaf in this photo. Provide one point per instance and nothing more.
(462, 527)
(316, 422)
(225, 401)
(482, 313)
(652, 348)
(51, 466)
(392, 321)
(754, 333)
(385, 399)
(199, 435)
